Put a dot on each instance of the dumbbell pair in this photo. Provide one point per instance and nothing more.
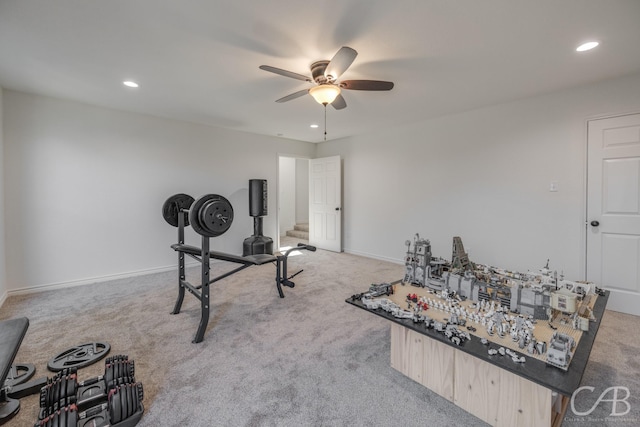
(63, 400)
(122, 409)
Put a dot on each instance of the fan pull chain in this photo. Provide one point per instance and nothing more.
(325, 121)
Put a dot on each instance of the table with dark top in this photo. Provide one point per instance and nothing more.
(534, 370)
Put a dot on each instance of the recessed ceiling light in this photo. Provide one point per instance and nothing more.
(587, 46)
(314, 126)
(129, 83)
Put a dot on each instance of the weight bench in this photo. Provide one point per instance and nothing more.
(11, 334)
(12, 388)
(204, 256)
(257, 259)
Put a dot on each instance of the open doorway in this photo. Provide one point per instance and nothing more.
(293, 200)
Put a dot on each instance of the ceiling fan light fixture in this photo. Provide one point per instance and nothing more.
(324, 94)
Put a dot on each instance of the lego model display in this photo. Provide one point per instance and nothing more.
(505, 346)
(537, 313)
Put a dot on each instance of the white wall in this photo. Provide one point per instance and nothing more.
(287, 194)
(302, 190)
(85, 186)
(3, 275)
(483, 175)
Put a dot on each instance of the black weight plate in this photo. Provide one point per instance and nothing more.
(216, 216)
(172, 207)
(115, 407)
(19, 373)
(9, 409)
(203, 227)
(79, 356)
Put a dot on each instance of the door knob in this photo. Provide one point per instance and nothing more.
(337, 209)
(595, 223)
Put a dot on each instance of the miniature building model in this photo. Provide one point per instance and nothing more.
(529, 294)
(418, 261)
(559, 351)
(459, 258)
(564, 300)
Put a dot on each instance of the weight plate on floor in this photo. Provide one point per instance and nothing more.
(172, 207)
(79, 356)
(211, 215)
(19, 373)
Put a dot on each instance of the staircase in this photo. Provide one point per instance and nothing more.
(300, 231)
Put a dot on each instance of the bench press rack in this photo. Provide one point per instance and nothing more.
(204, 256)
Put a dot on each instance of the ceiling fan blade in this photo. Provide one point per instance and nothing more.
(339, 103)
(285, 73)
(339, 63)
(366, 85)
(294, 95)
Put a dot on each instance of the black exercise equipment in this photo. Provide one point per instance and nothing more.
(16, 385)
(14, 379)
(64, 389)
(210, 216)
(199, 212)
(79, 356)
(123, 409)
(125, 402)
(174, 205)
(11, 334)
(19, 373)
(258, 202)
(257, 243)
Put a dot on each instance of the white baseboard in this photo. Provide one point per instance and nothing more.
(368, 255)
(82, 282)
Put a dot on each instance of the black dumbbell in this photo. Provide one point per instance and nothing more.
(64, 389)
(64, 417)
(123, 409)
(125, 402)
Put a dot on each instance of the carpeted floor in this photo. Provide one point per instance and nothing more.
(309, 359)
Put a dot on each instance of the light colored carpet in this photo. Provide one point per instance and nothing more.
(309, 359)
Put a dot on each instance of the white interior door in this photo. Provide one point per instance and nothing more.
(613, 209)
(325, 203)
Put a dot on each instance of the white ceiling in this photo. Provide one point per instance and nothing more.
(197, 60)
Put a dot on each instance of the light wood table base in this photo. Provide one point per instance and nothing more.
(493, 394)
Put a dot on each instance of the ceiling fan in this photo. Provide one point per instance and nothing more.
(325, 75)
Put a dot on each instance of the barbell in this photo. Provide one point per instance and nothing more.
(210, 216)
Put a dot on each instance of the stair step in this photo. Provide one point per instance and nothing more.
(301, 227)
(298, 234)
